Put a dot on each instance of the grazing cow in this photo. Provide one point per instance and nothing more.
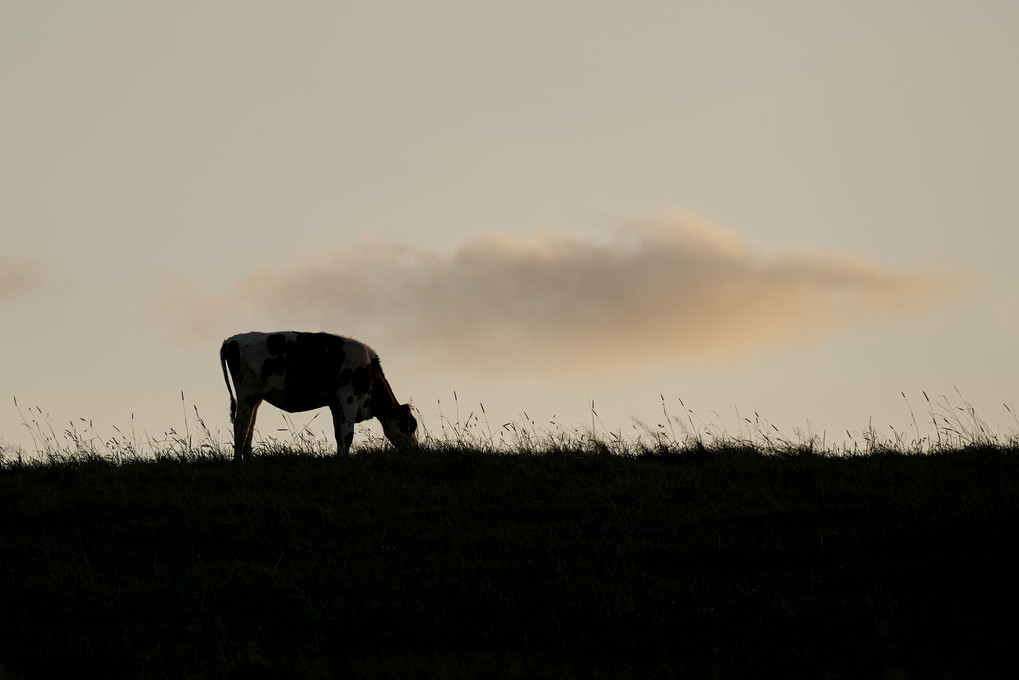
(302, 371)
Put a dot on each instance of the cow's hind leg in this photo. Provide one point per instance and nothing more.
(344, 419)
(244, 428)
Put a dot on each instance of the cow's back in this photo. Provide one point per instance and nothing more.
(298, 371)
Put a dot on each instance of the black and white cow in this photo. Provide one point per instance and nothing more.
(301, 371)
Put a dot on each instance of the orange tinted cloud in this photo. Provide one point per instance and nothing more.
(16, 276)
(667, 289)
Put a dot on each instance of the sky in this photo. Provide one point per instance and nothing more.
(798, 213)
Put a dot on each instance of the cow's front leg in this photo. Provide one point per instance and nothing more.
(344, 419)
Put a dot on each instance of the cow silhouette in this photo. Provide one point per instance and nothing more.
(297, 371)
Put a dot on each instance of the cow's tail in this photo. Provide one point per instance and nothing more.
(226, 379)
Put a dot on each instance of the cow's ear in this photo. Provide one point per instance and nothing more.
(407, 417)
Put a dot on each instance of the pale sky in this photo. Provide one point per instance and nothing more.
(800, 209)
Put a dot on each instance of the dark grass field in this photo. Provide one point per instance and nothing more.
(451, 563)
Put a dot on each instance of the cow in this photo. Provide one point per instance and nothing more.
(297, 371)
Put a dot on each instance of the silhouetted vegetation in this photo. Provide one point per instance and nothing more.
(694, 560)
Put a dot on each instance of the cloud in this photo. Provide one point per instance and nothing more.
(668, 288)
(16, 276)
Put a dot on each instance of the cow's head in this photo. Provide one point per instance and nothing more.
(400, 427)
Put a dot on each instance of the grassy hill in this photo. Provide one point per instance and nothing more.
(457, 563)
